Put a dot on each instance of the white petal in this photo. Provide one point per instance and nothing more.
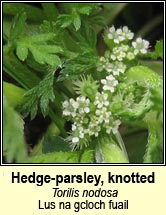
(143, 51)
(87, 110)
(112, 29)
(110, 36)
(73, 127)
(134, 44)
(75, 139)
(116, 40)
(125, 29)
(139, 40)
(103, 81)
(119, 31)
(136, 51)
(65, 104)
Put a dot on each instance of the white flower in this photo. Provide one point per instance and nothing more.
(140, 46)
(116, 68)
(76, 109)
(86, 110)
(116, 36)
(119, 35)
(127, 33)
(109, 83)
(101, 100)
(65, 104)
(94, 126)
(73, 127)
(102, 64)
(75, 140)
(113, 35)
(115, 127)
(119, 52)
(130, 56)
(66, 113)
(108, 129)
(81, 135)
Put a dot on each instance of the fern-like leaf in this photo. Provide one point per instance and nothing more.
(78, 66)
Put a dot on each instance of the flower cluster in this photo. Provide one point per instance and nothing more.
(71, 108)
(122, 49)
(115, 67)
(103, 64)
(140, 46)
(92, 112)
(119, 52)
(109, 83)
(89, 119)
(124, 34)
(121, 34)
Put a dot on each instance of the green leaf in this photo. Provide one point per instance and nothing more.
(33, 13)
(136, 145)
(91, 37)
(76, 21)
(144, 77)
(86, 10)
(78, 66)
(98, 20)
(154, 151)
(87, 156)
(43, 54)
(107, 151)
(19, 72)
(158, 53)
(54, 144)
(50, 48)
(38, 38)
(50, 11)
(146, 86)
(13, 94)
(22, 51)
(13, 135)
(65, 20)
(159, 49)
(40, 95)
(56, 157)
(18, 25)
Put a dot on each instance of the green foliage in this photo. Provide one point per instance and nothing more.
(33, 13)
(75, 12)
(55, 157)
(56, 150)
(18, 25)
(42, 53)
(13, 94)
(13, 135)
(158, 52)
(19, 72)
(41, 94)
(54, 144)
(50, 11)
(109, 152)
(159, 49)
(45, 49)
(78, 66)
(149, 84)
(154, 148)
